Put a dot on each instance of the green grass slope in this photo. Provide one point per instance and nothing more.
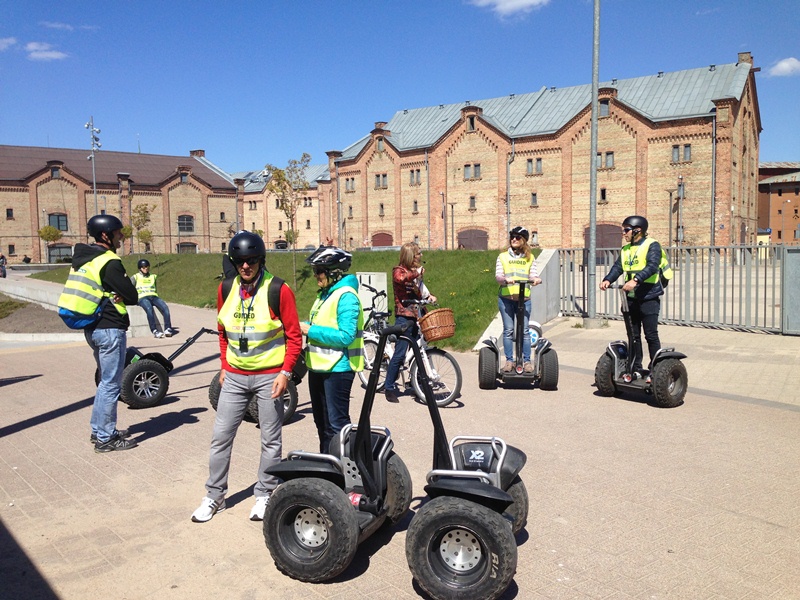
(463, 280)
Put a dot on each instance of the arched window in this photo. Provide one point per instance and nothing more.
(185, 224)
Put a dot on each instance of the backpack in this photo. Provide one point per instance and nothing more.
(76, 320)
(274, 301)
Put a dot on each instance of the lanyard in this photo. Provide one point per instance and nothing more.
(246, 313)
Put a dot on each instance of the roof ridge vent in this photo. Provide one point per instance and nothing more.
(511, 95)
(552, 89)
(712, 67)
(614, 81)
(660, 74)
(441, 106)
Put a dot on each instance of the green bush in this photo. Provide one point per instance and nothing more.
(462, 280)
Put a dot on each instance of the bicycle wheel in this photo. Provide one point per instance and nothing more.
(370, 348)
(445, 377)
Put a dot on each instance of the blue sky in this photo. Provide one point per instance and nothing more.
(253, 83)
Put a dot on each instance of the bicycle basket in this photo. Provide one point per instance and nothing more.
(437, 325)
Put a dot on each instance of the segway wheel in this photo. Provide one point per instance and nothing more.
(370, 350)
(310, 529)
(517, 513)
(548, 371)
(399, 489)
(144, 383)
(289, 401)
(487, 369)
(604, 376)
(456, 548)
(289, 405)
(670, 382)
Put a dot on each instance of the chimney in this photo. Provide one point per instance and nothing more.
(745, 57)
(199, 153)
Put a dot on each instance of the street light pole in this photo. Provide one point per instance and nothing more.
(452, 226)
(444, 217)
(96, 145)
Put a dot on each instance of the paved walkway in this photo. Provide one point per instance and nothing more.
(626, 500)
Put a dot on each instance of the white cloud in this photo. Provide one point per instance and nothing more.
(785, 68)
(505, 8)
(6, 43)
(43, 51)
(53, 25)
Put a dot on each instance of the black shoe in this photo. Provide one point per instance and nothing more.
(391, 396)
(123, 433)
(114, 444)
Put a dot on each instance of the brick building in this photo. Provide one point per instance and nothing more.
(779, 201)
(461, 173)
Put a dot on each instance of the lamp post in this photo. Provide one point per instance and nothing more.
(444, 217)
(679, 233)
(96, 145)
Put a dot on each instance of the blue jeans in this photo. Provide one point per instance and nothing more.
(147, 303)
(508, 312)
(330, 403)
(233, 400)
(400, 349)
(108, 346)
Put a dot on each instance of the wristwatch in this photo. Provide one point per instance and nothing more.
(287, 374)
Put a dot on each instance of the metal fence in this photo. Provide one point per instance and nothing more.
(733, 287)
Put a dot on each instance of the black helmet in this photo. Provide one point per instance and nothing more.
(100, 224)
(143, 263)
(330, 258)
(636, 222)
(520, 231)
(246, 244)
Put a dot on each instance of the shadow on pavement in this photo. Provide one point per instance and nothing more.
(13, 380)
(161, 424)
(21, 579)
(44, 417)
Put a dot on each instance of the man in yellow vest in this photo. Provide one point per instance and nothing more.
(258, 350)
(335, 351)
(641, 261)
(145, 283)
(97, 278)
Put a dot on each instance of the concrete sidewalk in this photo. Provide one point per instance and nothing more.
(626, 500)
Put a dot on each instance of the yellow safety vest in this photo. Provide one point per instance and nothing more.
(84, 291)
(634, 261)
(251, 320)
(145, 284)
(516, 268)
(324, 313)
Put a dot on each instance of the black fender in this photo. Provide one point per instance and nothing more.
(160, 359)
(474, 490)
(303, 467)
(669, 354)
(492, 345)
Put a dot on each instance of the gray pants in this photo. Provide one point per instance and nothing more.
(233, 399)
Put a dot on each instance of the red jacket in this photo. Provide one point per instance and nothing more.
(406, 287)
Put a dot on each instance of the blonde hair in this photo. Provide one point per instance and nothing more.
(407, 252)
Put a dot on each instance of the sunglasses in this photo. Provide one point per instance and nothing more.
(627, 229)
(250, 260)
(320, 270)
(516, 237)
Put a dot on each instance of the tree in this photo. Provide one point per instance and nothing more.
(140, 217)
(290, 186)
(50, 234)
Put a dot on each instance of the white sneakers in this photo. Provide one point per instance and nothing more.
(257, 514)
(208, 508)
(169, 332)
(157, 333)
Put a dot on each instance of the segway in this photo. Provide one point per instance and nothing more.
(543, 355)
(145, 378)
(666, 381)
(329, 503)
(289, 396)
(460, 543)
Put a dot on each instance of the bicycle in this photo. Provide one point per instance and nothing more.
(377, 320)
(441, 367)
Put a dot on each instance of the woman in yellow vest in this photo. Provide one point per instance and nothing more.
(642, 261)
(513, 266)
(335, 341)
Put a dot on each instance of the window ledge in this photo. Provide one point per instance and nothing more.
(533, 174)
